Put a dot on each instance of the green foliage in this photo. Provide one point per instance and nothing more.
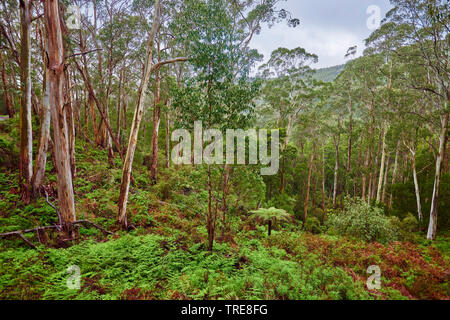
(328, 74)
(361, 221)
(272, 214)
(282, 201)
(406, 227)
(313, 225)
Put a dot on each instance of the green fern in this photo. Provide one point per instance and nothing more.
(271, 216)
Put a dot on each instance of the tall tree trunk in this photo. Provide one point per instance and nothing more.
(56, 93)
(383, 158)
(6, 97)
(368, 158)
(323, 181)
(128, 163)
(225, 190)
(119, 105)
(336, 166)
(305, 208)
(394, 173)
(350, 135)
(44, 131)
(156, 121)
(91, 103)
(383, 197)
(26, 138)
(416, 184)
(70, 120)
(432, 227)
(167, 139)
(374, 175)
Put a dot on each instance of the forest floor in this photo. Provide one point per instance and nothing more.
(165, 256)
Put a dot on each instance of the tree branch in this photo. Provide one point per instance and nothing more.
(160, 64)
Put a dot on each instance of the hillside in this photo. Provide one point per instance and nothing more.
(328, 74)
(164, 257)
(139, 158)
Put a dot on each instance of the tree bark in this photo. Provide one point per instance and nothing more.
(6, 97)
(167, 139)
(305, 208)
(374, 175)
(350, 135)
(416, 184)
(156, 122)
(56, 94)
(128, 163)
(336, 165)
(225, 190)
(383, 158)
(44, 131)
(323, 182)
(383, 197)
(26, 135)
(70, 120)
(119, 105)
(432, 227)
(394, 173)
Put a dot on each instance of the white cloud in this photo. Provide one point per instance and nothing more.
(329, 45)
(327, 28)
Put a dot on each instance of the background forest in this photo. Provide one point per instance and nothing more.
(86, 176)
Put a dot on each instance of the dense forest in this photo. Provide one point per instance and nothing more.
(119, 169)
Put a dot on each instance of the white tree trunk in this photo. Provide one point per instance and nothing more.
(128, 163)
(394, 173)
(383, 156)
(44, 133)
(432, 227)
(416, 184)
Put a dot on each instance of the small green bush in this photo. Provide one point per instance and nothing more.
(406, 227)
(313, 225)
(360, 220)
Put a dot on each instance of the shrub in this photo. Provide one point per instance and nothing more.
(313, 225)
(410, 223)
(406, 227)
(361, 221)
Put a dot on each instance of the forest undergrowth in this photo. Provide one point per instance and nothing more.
(165, 256)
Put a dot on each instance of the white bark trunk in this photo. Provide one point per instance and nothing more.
(432, 227)
(416, 184)
(128, 163)
(383, 156)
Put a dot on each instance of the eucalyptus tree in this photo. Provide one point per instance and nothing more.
(26, 130)
(168, 45)
(287, 86)
(215, 95)
(56, 63)
(128, 163)
(417, 31)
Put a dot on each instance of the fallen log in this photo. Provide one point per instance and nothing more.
(20, 233)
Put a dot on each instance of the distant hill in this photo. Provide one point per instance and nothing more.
(328, 74)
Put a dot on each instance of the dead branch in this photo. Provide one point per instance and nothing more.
(20, 233)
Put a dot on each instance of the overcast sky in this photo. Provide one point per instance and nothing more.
(327, 28)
